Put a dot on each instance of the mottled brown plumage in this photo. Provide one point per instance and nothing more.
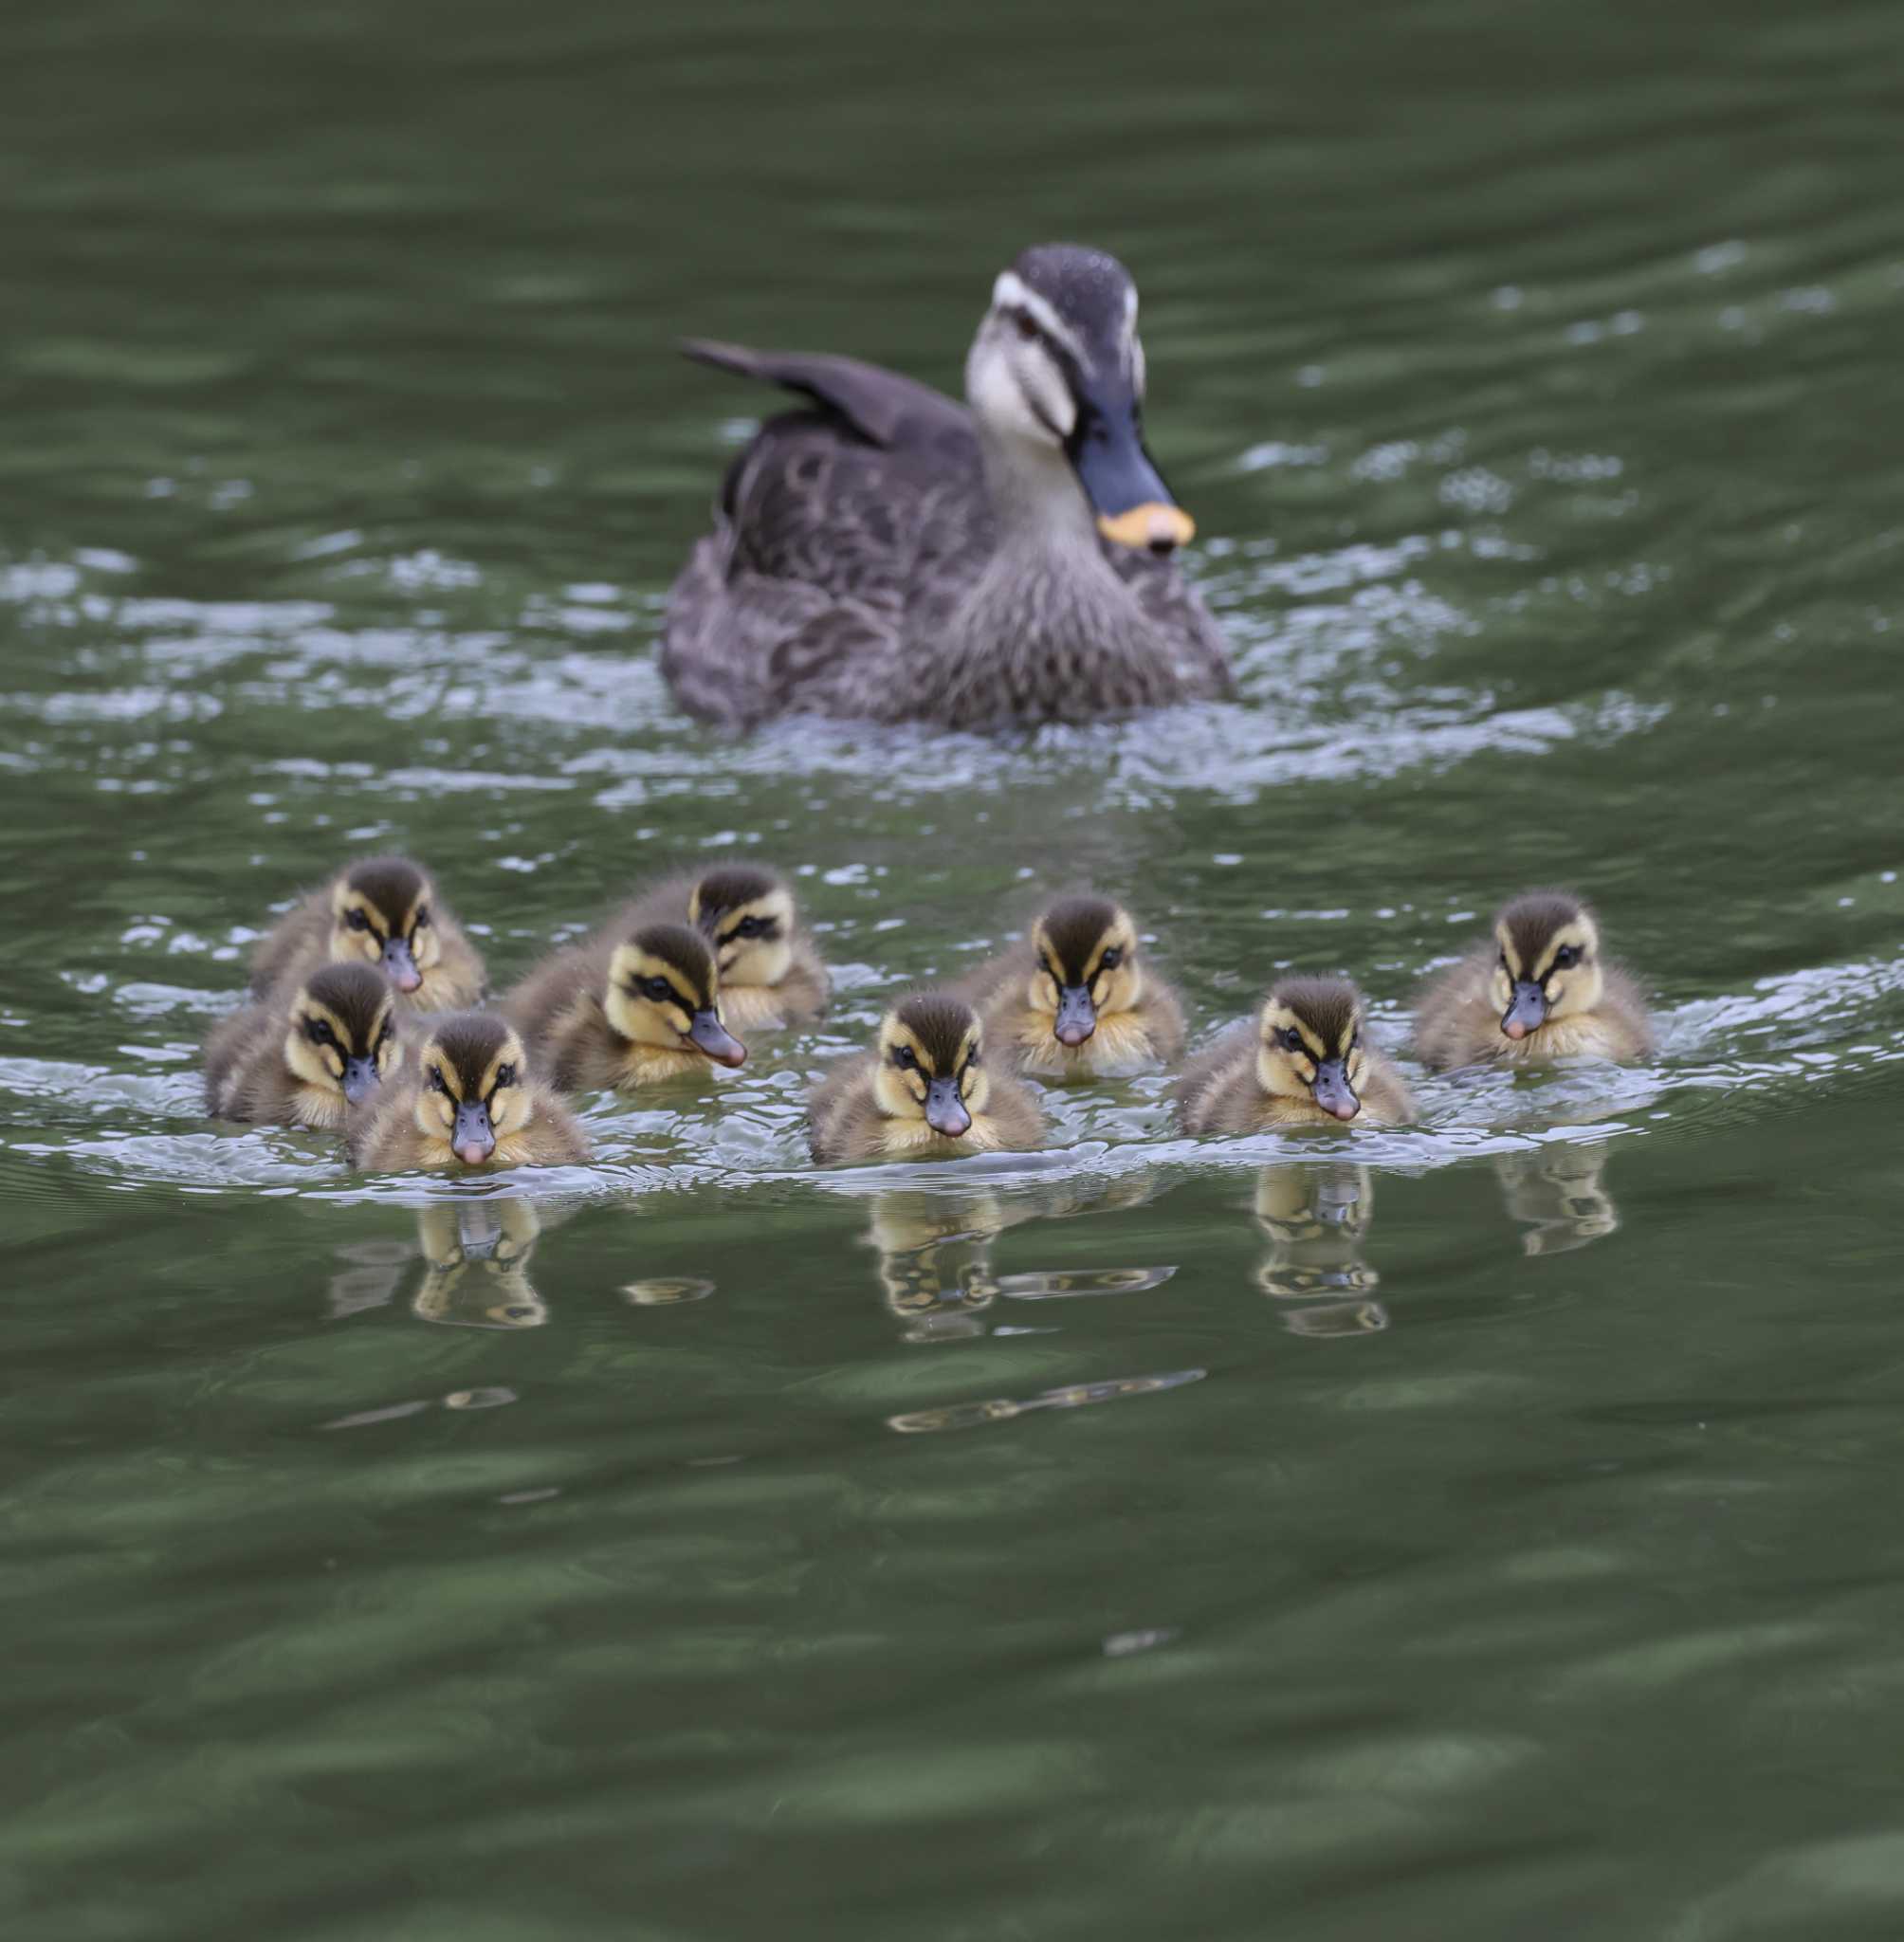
(626, 1009)
(771, 971)
(1539, 989)
(1077, 1000)
(382, 911)
(470, 1099)
(312, 1054)
(923, 1093)
(888, 555)
(1304, 1060)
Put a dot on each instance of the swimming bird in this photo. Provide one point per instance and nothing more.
(625, 1010)
(470, 1100)
(383, 910)
(1540, 989)
(1077, 1000)
(771, 971)
(884, 554)
(310, 1055)
(1304, 1060)
(923, 1093)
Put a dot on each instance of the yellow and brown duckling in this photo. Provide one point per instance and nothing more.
(923, 1093)
(1540, 989)
(1076, 1001)
(385, 911)
(625, 1010)
(470, 1100)
(1304, 1060)
(771, 972)
(312, 1054)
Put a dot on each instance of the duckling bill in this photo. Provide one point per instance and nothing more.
(1078, 999)
(923, 1093)
(471, 1100)
(1304, 1060)
(626, 1012)
(310, 1055)
(771, 972)
(1540, 989)
(386, 911)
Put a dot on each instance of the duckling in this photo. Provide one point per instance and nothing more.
(313, 1055)
(625, 1010)
(1076, 1001)
(771, 972)
(922, 1094)
(1304, 1060)
(472, 1100)
(384, 910)
(1538, 991)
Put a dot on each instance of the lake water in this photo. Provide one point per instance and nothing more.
(1483, 1529)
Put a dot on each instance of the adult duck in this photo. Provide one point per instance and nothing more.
(887, 554)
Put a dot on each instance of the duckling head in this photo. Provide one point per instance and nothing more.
(747, 915)
(1087, 953)
(1055, 381)
(473, 1085)
(1549, 962)
(343, 1031)
(929, 1067)
(663, 991)
(381, 915)
(1310, 1044)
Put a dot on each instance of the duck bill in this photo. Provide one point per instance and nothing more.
(1333, 1092)
(707, 1036)
(474, 1138)
(400, 966)
(945, 1110)
(359, 1080)
(1077, 1016)
(1527, 1009)
(1134, 506)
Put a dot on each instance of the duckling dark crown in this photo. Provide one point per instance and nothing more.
(1328, 1006)
(394, 884)
(685, 954)
(1534, 918)
(357, 996)
(940, 1025)
(733, 886)
(470, 1042)
(1074, 926)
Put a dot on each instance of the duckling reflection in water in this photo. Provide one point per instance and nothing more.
(471, 1100)
(935, 1254)
(770, 969)
(312, 1054)
(1077, 1000)
(626, 1010)
(1304, 1060)
(1540, 989)
(1558, 1195)
(1316, 1220)
(384, 911)
(923, 1093)
(476, 1265)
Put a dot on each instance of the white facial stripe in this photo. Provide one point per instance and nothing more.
(1012, 293)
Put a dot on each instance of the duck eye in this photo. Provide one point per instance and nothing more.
(1111, 958)
(357, 920)
(749, 926)
(1292, 1039)
(1566, 957)
(658, 989)
(506, 1076)
(904, 1058)
(436, 1081)
(419, 921)
(317, 1031)
(1028, 330)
